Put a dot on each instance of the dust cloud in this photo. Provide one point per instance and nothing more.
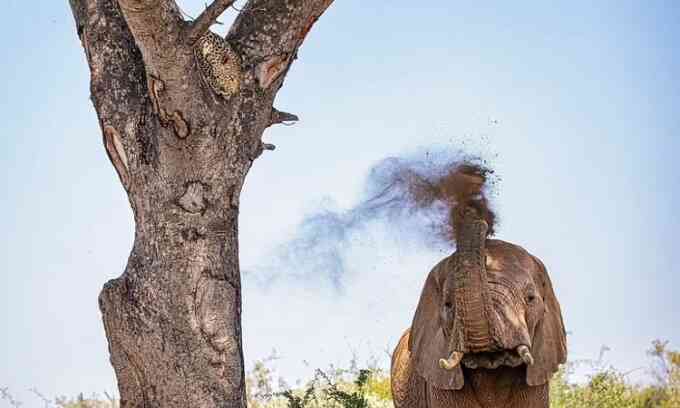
(416, 198)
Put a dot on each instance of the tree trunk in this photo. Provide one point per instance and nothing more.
(182, 151)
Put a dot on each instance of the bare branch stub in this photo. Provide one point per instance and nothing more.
(207, 18)
(278, 116)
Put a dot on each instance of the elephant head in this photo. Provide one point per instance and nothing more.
(490, 304)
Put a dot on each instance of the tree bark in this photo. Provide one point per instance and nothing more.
(173, 318)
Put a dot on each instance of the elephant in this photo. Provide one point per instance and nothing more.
(487, 332)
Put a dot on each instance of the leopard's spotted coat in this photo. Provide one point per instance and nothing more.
(219, 64)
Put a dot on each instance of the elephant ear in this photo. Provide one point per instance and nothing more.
(427, 342)
(549, 346)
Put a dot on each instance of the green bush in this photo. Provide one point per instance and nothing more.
(605, 388)
(608, 388)
(370, 387)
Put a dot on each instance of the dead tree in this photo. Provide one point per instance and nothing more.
(182, 112)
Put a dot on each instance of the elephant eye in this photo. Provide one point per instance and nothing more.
(448, 305)
(531, 298)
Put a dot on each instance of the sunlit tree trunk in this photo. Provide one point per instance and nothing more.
(182, 151)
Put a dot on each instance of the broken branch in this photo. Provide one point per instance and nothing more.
(281, 117)
(207, 18)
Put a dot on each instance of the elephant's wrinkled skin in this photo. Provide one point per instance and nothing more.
(487, 332)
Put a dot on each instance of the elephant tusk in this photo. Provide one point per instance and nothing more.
(451, 362)
(524, 352)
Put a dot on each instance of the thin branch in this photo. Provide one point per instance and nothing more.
(5, 395)
(207, 18)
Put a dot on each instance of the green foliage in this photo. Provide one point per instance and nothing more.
(82, 402)
(355, 398)
(370, 387)
(605, 388)
(608, 388)
(259, 386)
(297, 401)
(333, 388)
(379, 386)
(667, 374)
(79, 401)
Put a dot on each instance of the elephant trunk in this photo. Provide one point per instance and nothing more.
(471, 287)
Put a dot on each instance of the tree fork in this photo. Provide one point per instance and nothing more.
(173, 318)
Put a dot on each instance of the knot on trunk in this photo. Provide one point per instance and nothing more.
(193, 200)
(179, 125)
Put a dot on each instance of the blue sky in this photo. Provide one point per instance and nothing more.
(576, 105)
